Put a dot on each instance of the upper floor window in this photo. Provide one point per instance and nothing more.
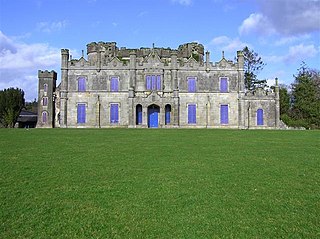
(192, 114)
(260, 117)
(153, 82)
(191, 84)
(114, 84)
(224, 84)
(45, 87)
(45, 101)
(81, 84)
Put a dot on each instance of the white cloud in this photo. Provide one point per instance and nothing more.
(20, 62)
(286, 17)
(256, 23)
(295, 54)
(301, 52)
(227, 44)
(49, 27)
(183, 2)
(291, 39)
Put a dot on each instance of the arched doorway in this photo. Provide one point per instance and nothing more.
(153, 116)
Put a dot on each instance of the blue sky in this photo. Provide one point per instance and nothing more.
(32, 32)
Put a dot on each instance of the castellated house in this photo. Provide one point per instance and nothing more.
(153, 88)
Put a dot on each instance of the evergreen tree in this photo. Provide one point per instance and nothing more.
(253, 64)
(306, 97)
(11, 103)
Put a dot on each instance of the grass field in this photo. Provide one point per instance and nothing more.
(127, 183)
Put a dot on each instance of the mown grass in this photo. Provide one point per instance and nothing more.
(126, 183)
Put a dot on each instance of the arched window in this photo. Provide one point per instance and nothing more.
(260, 117)
(81, 84)
(45, 87)
(45, 101)
(139, 114)
(44, 117)
(167, 114)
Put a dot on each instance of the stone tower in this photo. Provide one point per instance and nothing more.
(46, 98)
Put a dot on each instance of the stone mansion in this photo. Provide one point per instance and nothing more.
(152, 88)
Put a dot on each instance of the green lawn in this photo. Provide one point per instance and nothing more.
(129, 183)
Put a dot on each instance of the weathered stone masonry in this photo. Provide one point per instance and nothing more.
(152, 87)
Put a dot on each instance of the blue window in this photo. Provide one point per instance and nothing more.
(158, 82)
(167, 114)
(148, 79)
(153, 82)
(224, 114)
(44, 117)
(45, 87)
(114, 113)
(191, 84)
(139, 114)
(81, 84)
(260, 117)
(45, 101)
(223, 84)
(192, 113)
(81, 113)
(114, 84)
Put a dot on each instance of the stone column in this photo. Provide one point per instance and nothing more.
(277, 104)
(64, 88)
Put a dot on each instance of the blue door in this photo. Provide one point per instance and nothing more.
(153, 119)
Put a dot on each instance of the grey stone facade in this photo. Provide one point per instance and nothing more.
(153, 87)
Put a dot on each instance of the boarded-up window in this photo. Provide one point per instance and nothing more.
(114, 84)
(114, 113)
(224, 114)
(191, 84)
(223, 84)
(81, 113)
(81, 84)
(260, 117)
(192, 108)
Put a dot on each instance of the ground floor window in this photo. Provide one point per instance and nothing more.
(114, 113)
(139, 114)
(44, 117)
(167, 114)
(260, 117)
(224, 114)
(192, 113)
(81, 113)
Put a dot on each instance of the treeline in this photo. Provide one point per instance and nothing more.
(300, 102)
